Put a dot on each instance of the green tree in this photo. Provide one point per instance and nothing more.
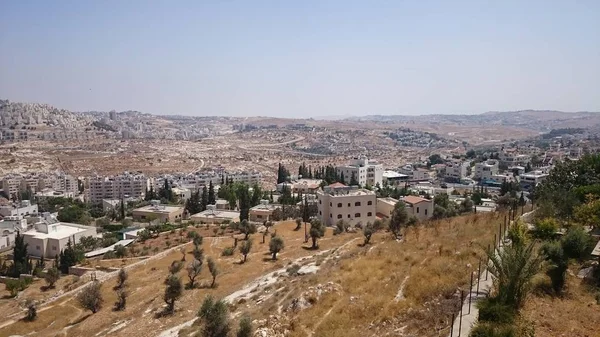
(275, 246)
(211, 194)
(68, 258)
(398, 219)
(204, 198)
(247, 228)
(20, 256)
(513, 268)
(317, 230)
(577, 244)
(214, 270)
(173, 291)
(51, 276)
(245, 248)
(545, 229)
(353, 181)
(559, 262)
(215, 318)
(90, 298)
(193, 270)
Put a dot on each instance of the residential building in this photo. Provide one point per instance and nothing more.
(393, 178)
(456, 170)
(531, 179)
(420, 208)
(11, 185)
(49, 236)
(49, 194)
(349, 203)
(182, 193)
(385, 206)
(485, 170)
(58, 182)
(155, 211)
(512, 157)
(366, 172)
(116, 187)
(9, 226)
(214, 216)
(262, 212)
(23, 208)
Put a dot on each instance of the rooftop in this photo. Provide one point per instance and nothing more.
(59, 230)
(159, 209)
(411, 199)
(337, 185)
(388, 200)
(210, 213)
(393, 174)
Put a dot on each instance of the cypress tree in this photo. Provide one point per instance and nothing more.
(204, 199)
(211, 194)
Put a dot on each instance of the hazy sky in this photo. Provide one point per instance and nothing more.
(302, 58)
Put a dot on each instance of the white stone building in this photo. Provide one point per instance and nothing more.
(486, 170)
(116, 187)
(349, 203)
(366, 172)
(49, 236)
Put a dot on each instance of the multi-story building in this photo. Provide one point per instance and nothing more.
(58, 182)
(512, 157)
(393, 178)
(116, 187)
(485, 170)
(456, 170)
(366, 172)
(349, 203)
(11, 185)
(420, 208)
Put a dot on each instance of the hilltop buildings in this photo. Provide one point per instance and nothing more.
(155, 211)
(116, 187)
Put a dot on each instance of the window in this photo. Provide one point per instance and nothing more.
(339, 216)
(330, 204)
(319, 202)
(53, 247)
(417, 210)
(37, 247)
(339, 204)
(357, 215)
(258, 216)
(369, 203)
(330, 215)
(425, 211)
(348, 216)
(369, 214)
(356, 204)
(348, 204)
(319, 212)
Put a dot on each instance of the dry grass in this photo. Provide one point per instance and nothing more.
(430, 265)
(575, 314)
(146, 290)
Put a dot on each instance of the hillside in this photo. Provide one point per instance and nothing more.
(341, 289)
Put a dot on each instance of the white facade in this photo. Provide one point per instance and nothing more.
(514, 158)
(24, 208)
(456, 170)
(486, 170)
(49, 237)
(532, 178)
(366, 172)
(116, 187)
(351, 204)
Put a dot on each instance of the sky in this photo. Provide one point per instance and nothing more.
(302, 58)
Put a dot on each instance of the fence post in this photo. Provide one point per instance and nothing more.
(487, 264)
(470, 293)
(478, 276)
(495, 241)
(461, 311)
(452, 326)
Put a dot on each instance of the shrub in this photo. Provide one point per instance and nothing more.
(577, 244)
(228, 251)
(120, 251)
(109, 255)
(52, 275)
(492, 330)
(491, 310)
(31, 311)
(545, 229)
(14, 286)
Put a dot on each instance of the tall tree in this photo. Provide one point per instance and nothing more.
(398, 219)
(317, 230)
(275, 246)
(20, 256)
(215, 318)
(353, 181)
(204, 199)
(211, 194)
(244, 200)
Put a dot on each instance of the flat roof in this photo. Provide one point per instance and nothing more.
(411, 199)
(388, 200)
(217, 214)
(159, 209)
(63, 230)
(394, 174)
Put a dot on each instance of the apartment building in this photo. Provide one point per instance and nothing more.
(413, 174)
(393, 178)
(456, 171)
(198, 180)
(486, 170)
(349, 203)
(11, 185)
(116, 187)
(420, 208)
(512, 157)
(366, 172)
(58, 182)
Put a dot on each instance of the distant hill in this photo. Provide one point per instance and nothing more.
(13, 114)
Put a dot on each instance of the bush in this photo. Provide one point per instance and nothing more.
(228, 251)
(490, 310)
(90, 298)
(14, 286)
(492, 330)
(31, 311)
(545, 229)
(52, 275)
(577, 244)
